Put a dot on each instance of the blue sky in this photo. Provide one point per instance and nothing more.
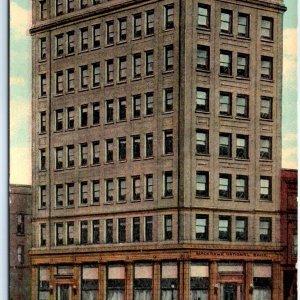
(20, 90)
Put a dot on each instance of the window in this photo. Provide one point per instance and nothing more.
(71, 42)
(59, 7)
(83, 3)
(168, 227)
(20, 254)
(265, 188)
(109, 190)
(169, 283)
(96, 113)
(242, 106)
(43, 235)
(169, 16)
(241, 187)
(70, 194)
(136, 106)
(95, 192)
(148, 229)
(266, 68)
(262, 281)
(96, 153)
(70, 6)
(109, 71)
(243, 25)
(97, 1)
(202, 227)
(168, 184)
(96, 74)
(42, 122)
(225, 186)
(43, 9)
(169, 57)
(109, 231)
(122, 29)
(70, 80)
(59, 45)
(242, 146)
(121, 189)
(59, 158)
(203, 58)
(225, 145)
(242, 65)
(43, 160)
(203, 16)
(20, 224)
(168, 141)
(149, 22)
(202, 186)
(70, 117)
(226, 21)
(136, 188)
(59, 234)
(149, 186)
(109, 150)
(295, 244)
(83, 192)
(59, 82)
(202, 142)
(43, 48)
(43, 196)
(267, 28)
(84, 39)
(122, 230)
(136, 229)
(84, 77)
(142, 281)
(43, 85)
(241, 228)
(70, 233)
(109, 111)
(116, 282)
(136, 147)
(122, 68)
(89, 281)
(149, 145)
(122, 148)
(149, 62)
(96, 233)
(225, 104)
(265, 147)
(43, 282)
(122, 109)
(265, 229)
(137, 65)
(83, 154)
(149, 104)
(199, 280)
(224, 228)
(225, 62)
(110, 32)
(83, 232)
(59, 119)
(137, 26)
(70, 156)
(96, 36)
(202, 100)
(168, 99)
(266, 108)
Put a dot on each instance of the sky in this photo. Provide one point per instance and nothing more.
(20, 90)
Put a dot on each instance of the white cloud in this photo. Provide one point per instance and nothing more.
(20, 20)
(17, 81)
(20, 165)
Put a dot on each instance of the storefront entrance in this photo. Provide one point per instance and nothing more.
(231, 291)
(64, 292)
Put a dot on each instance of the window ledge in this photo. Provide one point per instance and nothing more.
(203, 154)
(70, 129)
(109, 123)
(226, 116)
(42, 60)
(226, 34)
(20, 234)
(148, 158)
(83, 205)
(136, 78)
(59, 94)
(169, 29)
(70, 92)
(137, 159)
(121, 82)
(95, 165)
(242, 200)
(266, 200)
(109, 45)
(203, 70)
(226, 75)
(59, 207)
(108, 203)
(225, 199)
(83, 167)
(57, 131)
(83, 51)
(122, 161)
(149, 76)
(244, 38)
(134, 119)
(42, 208)
(95, 204)
(70, 54)
(95, 125)
(70, 168)
(137, 38)
(149, 35)
(202, 197)
(203, 28)
(43, 97)
(167, 154)
(167, 197)
(58, 57)
(242, 118)
(266, 120)
(242, 159)
(96, 87)
(266, 160)
(83, 89)
(137, 200)
(109, 163)
(168, 112)
(267, 40)
(149, 199)
(96, 48)
(122, 202)
(70, 207)
(202, 112)
(58, 170)
(107, 84)
(243, 78)
(225, 157)
(121, 121)
(43, 171)
(122, 42)
(267, 80)
(165, 72)
(148, 116)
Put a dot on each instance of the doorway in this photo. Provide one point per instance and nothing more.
(231, 291)
(64, 292)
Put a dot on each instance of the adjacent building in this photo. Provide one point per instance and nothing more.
(20, 203)
(156, 149)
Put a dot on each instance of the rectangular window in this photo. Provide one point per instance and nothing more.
(169, 58)
(136, 147)
(136, 188)
(70, 6)
(149, 104)
(168, 99)
(169, 16)
(59, 158)
(43, 9)
(266, 68)
(149, 22)
(266, 188)
(202, 184)
(70, 233)
(122, 148)
(136, 106)
(142, 281)
(84, 39)
(116, 282)
(203, 61)
(109, 150)
(137, 62)
(122, 230)
(43, 85)
(43, 48)
(265, 229)
(168, 141)
(109, 71)
(43, 235)
(96, 192)
(242, 65)
(199, 280)
(59, 82)
(242, 146)
(267, 28)
(42, 122)
(109, 190)
(70, 194)
(42, 159)
(84, 77)
(122, 109)
(226, 21)
(137, 26)
(122, 29)
(225, 62)
(265, 147)
(225, 186)
(242, 106)
(43, 198)
(83, 232)
(202, 100)
(84, 192)
(148, 229)
(295, 244)
(96, 74)
(266, 108)
(59, 119)
(149, 62)
(95, 152)
(262, 281)
(225, 104)
(225, 145)
(96, 36)
(70, 42)
(243, 25)
(96, 113)
(122, 68)
(96, 233)
(121, 189)
(202, 227)
(59, 45)
(241, 187)
(70, 117)
(202, 142)
(169, 280)
(21, 224)
(109, 111)
(241, 228)
(149, 186)
(110, 33)
(109, 231)
(149, 145)
(224, 228)
(203, 16)
(43, 282)
(168, 227)
(83, 154)
(70, 156)
(59, 234)
(136, 229)
(89, 281)
(168, 184)
(20, 254)
(70, 80)
(83, 3)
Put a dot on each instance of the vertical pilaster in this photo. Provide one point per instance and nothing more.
(213, 280)
(77, 277)
(185, 286)
(248, 292)
(34, 282)
(156, 281)
(276, 284)
(52, 282)
(129, 281)
(102, 280)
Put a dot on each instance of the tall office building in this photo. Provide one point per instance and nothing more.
(156, 149)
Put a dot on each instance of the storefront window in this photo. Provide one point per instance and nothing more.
(43, 285)
(262, 281)
(169, 281)
(199, 281)
(115, 282)
(89, 282)
(142, 284)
